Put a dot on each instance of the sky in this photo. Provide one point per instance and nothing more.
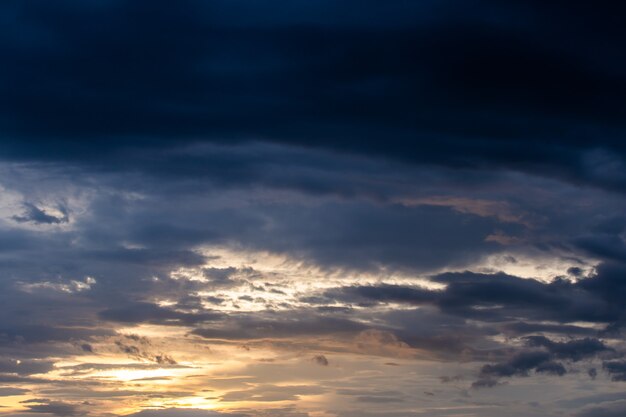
(297, 208)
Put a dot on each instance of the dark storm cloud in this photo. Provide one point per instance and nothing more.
(520, 327)
(521, 364)
(167, 226)
(486, 85)
(574, 350)
(352, 235)
(617, 369)
(605, 245)
(465, 291)
(380, 293)
(560, 299)
(34, 214)
(292, 325)
(513, 306)
(545, 361)
(500, 297)
(609, 282)
(152, 313)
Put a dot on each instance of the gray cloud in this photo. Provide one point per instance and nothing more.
(57, 408)
(151, 313)
(320, 360)
(617, 369)
(574, 350)
(271, 393)
(9, 391)
(25, 367)
(34, 214)
(295, 323)
(609, 409)
(182, 412)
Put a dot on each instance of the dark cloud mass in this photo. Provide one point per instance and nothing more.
(34, 214)
(236, 208)
(57, 408)
(448, 83)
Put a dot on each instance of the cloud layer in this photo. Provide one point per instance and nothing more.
(301, 209)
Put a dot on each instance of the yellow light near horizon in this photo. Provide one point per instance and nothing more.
(204, 403)
(196, 402)
(136, 374)
(13, 403)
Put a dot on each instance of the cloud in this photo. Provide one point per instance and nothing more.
(9, 391)
(544, 361)
(519, 364)
(25, 367)
(182, 412)
(271, 393)
(320, 360)
(515, 90)
(574, 350)
(607, 409)
(57, 408)
(617, 369)
(34, 214)
(486, 383)
(382, 293)
(499, 297)
(295, 324)
(151, 313)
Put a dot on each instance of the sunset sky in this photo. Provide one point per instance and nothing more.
(312, 208)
